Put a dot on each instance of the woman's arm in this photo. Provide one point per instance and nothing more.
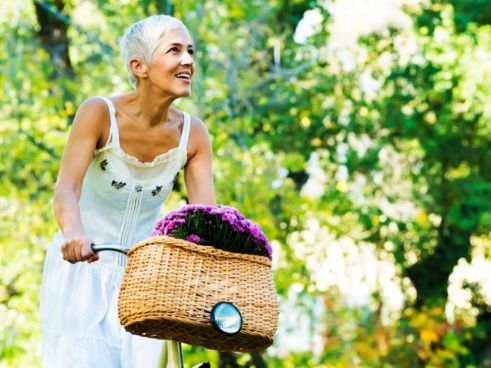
(85, 135)
(198, 173)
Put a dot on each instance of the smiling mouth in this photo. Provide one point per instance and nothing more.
(186, 76)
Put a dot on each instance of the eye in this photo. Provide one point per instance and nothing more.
(173, 49)
(191, 52)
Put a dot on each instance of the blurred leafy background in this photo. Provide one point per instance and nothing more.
(357, 133)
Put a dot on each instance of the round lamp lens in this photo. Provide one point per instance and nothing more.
(226, 318)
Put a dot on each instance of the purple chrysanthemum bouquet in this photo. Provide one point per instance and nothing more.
(222, 227)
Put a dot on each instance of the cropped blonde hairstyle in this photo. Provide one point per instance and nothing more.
(143, 37)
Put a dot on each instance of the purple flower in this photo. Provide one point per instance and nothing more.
(223, 227)
(193, 239)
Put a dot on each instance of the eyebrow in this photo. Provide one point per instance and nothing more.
(180, 44)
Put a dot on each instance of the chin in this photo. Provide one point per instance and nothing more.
(185, 94)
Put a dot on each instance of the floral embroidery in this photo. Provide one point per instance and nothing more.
(157, 189)
(117, 185)
(103, 164)
(138, 188)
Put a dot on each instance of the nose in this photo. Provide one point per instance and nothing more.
(187, 59)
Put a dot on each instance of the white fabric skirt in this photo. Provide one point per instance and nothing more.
(79, 315)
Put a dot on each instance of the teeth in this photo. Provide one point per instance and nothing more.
(183, 75)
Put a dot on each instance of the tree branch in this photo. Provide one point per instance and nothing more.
(39, 144)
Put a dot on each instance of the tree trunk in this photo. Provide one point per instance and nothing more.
(53, 35)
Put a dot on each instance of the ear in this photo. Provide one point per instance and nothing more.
(139, 68)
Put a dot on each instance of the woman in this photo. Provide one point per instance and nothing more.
(119, 166)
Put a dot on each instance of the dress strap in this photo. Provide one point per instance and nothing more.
(113, 132)
(185, 131)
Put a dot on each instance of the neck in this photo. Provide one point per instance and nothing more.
(149, 109)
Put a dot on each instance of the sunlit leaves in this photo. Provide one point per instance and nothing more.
(386, 153)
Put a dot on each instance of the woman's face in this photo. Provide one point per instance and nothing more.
(172, 67)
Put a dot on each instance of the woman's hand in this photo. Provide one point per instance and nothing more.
(78, 249)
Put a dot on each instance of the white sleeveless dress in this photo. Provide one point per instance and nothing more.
(120, 202)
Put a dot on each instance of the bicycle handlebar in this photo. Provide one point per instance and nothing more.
(116, 247)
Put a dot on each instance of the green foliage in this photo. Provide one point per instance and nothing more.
(302, 146)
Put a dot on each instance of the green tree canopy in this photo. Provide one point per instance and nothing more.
(369, 173)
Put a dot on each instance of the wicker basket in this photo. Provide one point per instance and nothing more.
(171, 285)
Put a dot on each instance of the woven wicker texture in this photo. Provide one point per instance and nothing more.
(171, 285)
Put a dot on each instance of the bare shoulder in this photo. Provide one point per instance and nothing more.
(199, 138)
(92, 120)
(198, 127)
(95, 107)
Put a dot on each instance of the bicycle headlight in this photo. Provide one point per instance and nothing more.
(226, 318)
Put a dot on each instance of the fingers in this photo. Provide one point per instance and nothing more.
(86, 250)
(78, 249)
(93, 256)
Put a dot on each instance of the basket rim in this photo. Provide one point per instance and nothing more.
(204, 249)
(248, 341)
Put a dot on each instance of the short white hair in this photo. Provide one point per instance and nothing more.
(142, 38)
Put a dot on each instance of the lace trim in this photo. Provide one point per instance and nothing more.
(134, 161)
